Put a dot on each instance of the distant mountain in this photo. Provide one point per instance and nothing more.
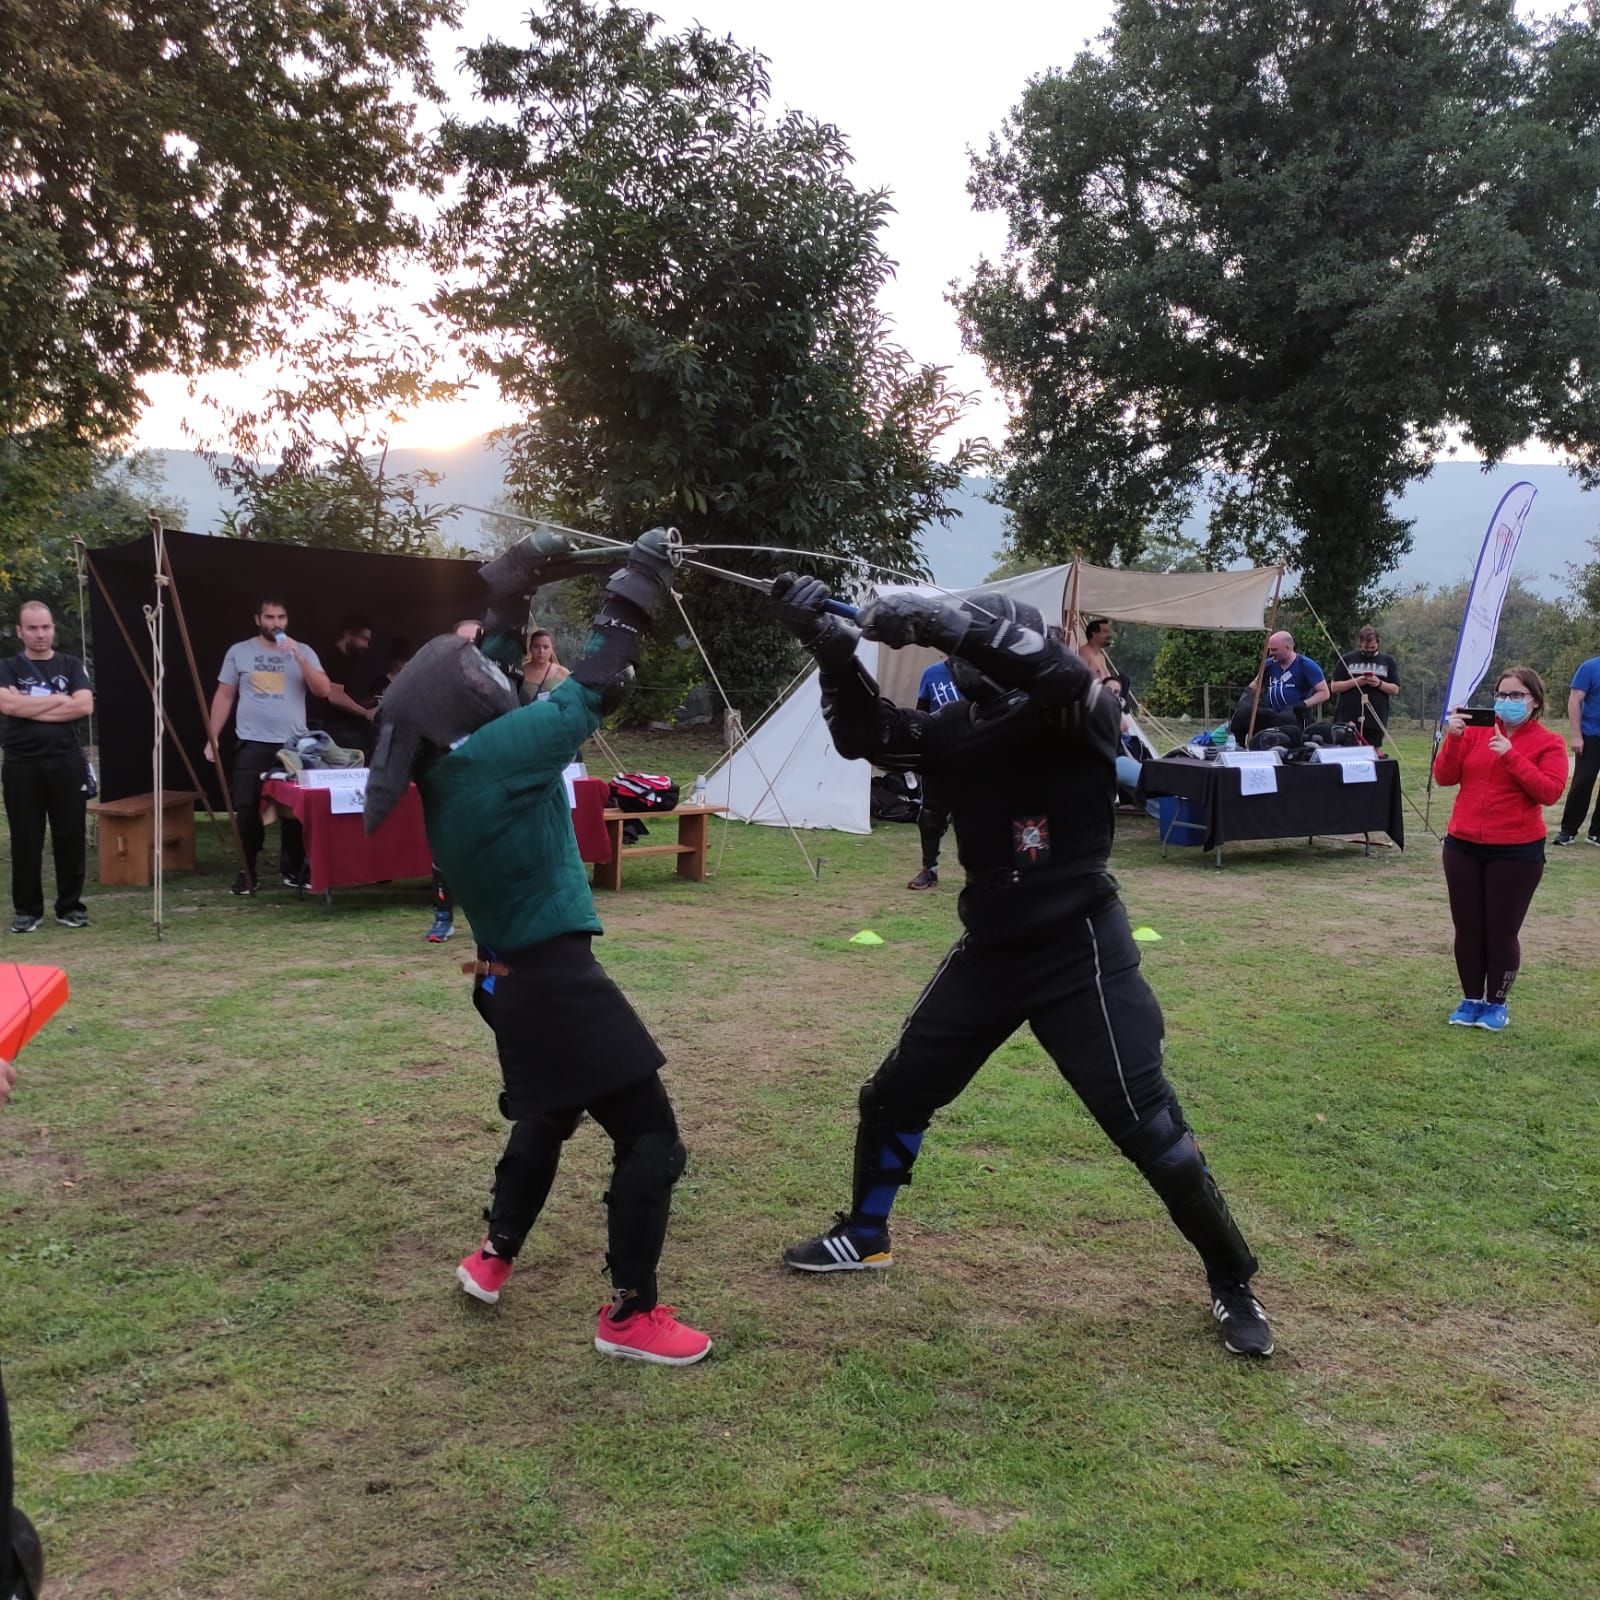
(1450, 510)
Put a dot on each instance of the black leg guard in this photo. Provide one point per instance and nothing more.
(26, 1579)
(883, 1157)
(1164, 1150)
(523, 1176)
(639, 1202)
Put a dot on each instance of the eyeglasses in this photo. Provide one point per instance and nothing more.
(1513, 694)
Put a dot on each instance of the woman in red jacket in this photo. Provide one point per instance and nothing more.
(1494, 851)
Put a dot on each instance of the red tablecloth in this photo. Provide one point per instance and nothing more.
(341, 854)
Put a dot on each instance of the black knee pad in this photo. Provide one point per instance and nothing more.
(27, 1556)
(1157, 1138)
(647, 1169)
(879, 1133)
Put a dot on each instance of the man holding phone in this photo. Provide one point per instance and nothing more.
(1366, 684)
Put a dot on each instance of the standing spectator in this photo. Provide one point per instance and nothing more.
(268, 677)
(1132, 751)
(21, 1563)
(1367, 682)
(1494, 851)
(1583, 712)
(44, 696)
(1097, 640)
(1289, 686)
(541, 671)
(351, 702)
(936, 689)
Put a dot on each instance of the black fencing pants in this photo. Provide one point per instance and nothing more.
(40, 793)
(8, 1566)
(1079, 988)
(647, 1158)
(250, 760)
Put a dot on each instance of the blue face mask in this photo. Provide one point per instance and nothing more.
(1511, 712)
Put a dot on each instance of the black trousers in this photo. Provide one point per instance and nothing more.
(250, 760)
(39, 792)
(932, 820)
(1583, 776)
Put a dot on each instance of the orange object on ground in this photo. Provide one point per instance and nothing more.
(29, 997)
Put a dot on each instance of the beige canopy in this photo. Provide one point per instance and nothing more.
(1068, 594)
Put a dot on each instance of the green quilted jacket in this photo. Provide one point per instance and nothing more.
(500, 827)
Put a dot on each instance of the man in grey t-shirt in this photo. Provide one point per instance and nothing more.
(266, 678)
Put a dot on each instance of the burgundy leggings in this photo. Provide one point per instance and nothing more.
(1488, 900)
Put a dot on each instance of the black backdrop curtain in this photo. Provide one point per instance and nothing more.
(221, 583)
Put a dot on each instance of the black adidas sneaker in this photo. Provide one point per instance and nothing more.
(1242, 1320)
(842, 1248)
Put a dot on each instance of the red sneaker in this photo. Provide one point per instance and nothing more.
(484, 1276)
(651, 1336)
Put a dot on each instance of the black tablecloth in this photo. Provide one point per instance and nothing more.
(1310, 799)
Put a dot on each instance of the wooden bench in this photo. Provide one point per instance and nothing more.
(690, 848)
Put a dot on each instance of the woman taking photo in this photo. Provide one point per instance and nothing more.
(1509, 771)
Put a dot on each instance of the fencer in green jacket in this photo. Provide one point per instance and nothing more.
(489, 773)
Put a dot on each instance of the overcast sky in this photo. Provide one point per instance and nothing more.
(914, 85)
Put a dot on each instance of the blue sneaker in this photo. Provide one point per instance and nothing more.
(1493, 1017)
(1467, 1013)
(443, 926)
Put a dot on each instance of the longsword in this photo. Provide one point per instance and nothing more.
(679, 551)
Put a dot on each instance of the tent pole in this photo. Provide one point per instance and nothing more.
(205, 716)
(155, 619)
(1071, 618)
(1261, 666)
(127, 639)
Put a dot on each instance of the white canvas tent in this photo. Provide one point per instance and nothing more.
(787, 771)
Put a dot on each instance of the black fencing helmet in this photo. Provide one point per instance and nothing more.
(1285, 739)
(447, 690)
(987, 605)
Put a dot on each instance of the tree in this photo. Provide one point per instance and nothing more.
(90, 495)
(679, 292)
(1273, 251)
(178, 180)
(343, 503)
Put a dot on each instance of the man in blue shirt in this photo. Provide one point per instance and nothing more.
(1583, 712)
(937, 689)
(1291, 686)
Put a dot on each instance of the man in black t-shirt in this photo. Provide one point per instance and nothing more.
(44, 697)
(1367, 685)
(351, 705)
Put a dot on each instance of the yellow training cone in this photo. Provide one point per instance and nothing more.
(1147, 936)
(866, 936)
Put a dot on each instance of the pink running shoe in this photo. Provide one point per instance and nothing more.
(484, 1276)
(651, 1336)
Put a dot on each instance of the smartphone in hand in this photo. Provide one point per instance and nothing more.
(1477, 716)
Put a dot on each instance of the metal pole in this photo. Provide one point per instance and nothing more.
(1261, 666)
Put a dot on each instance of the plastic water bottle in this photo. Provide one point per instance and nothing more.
(700, 789)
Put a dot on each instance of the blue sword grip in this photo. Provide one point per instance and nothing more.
(840, 608)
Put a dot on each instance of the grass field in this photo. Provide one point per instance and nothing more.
(241, 1166)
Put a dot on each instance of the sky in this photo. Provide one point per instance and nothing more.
(914, 85)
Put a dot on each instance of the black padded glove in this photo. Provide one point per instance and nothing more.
(926, 619)
(646, 578)
(797, 604)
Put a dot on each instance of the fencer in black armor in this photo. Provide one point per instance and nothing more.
(1028, 761)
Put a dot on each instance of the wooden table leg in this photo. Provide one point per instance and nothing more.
(692, 832)
(608, 874)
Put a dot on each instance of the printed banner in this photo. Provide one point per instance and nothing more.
(1480, 623)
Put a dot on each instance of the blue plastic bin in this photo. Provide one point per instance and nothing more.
(1182, 821)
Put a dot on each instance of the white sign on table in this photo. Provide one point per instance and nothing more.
(1259, 778)
(346, 798)
(1355, 762)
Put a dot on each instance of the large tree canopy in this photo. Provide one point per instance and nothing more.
(1277, 251)
(174, 174)
(679, 293)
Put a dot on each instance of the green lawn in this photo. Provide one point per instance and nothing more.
(242, 1164)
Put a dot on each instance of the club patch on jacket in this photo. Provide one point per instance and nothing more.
(1030, 839)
